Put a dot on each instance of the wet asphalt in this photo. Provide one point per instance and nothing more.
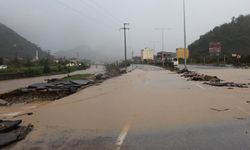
(223, 136)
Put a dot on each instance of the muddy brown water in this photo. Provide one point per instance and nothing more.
(150, 99)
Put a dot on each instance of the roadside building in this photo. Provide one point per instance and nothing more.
(180, 53)
(163, 55)
(147, 55)
(137, 59)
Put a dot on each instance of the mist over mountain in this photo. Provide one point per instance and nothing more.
(13, 45)
(84, 52)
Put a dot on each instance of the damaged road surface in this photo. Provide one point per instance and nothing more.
(11, 132)
(148, 108)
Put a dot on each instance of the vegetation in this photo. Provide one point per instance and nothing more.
(42, 67)
(116, 68)
(235, 39)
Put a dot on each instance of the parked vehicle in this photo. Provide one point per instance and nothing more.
(175, 61)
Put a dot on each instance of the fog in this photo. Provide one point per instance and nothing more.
(66, 24)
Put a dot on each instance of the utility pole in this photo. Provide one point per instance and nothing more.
(163, 42)
(125, 42)
(185, 34)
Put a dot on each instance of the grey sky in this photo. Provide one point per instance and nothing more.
(65, 24)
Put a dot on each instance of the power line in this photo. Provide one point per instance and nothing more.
(163, 36)
(65, 5)
(85, 3)
(104, 9)
(125, 42)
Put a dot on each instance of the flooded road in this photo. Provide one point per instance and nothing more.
(149, 108)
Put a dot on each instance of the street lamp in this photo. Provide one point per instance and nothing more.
(163, 36)
(185, 34)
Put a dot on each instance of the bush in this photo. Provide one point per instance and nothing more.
(32, 72)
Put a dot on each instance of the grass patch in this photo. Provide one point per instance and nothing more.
(78, 76)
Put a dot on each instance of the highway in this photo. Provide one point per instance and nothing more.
(148, 108)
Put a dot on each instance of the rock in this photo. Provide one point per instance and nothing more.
(3, 102)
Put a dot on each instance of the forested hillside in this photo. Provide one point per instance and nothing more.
(234, 36)
(13, 45)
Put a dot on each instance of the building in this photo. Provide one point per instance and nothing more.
(147, 54)
(136, 59)
(163, 55)
(180, 53)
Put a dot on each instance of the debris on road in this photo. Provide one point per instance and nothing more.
(219, 110)
(11, 132)
(3, 102)
(209, 80)
(199, 77)
(240, 118)
(227, 84)
(7, 125)
(52, 90)
(182, 71)
(23, 114)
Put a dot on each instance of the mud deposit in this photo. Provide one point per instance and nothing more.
(19, 96)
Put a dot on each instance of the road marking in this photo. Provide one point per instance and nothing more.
(243, 110)
(200, 86)
(122, 135)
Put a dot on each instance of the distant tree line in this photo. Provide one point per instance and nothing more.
(29, 68)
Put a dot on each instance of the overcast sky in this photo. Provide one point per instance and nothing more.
(65, 24)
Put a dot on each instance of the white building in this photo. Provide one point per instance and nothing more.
(147, 54)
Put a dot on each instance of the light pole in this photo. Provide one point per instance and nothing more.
(185, 34)
(163, 36)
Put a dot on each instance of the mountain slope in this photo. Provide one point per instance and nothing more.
(234, 36)
(13, 45)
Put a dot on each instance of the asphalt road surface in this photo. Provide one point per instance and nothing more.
(147, 109)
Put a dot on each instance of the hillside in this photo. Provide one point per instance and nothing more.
(234, 36)
(13, 45)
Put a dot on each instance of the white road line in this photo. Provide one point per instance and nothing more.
(122, 135)
(200, 86)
